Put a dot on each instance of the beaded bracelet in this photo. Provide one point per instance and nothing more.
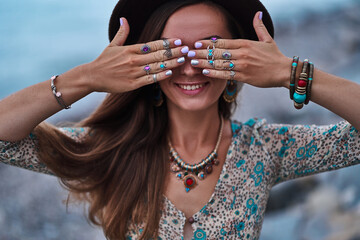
(300, 92)
(293, 76)
(58, 95)
(308, 88)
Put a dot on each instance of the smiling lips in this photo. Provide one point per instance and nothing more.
(191, 86)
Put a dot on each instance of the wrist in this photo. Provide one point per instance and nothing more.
(286, 73)
(85, 78)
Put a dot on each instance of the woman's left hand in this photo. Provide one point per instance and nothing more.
(258, 63)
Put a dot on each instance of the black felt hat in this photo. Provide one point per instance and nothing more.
(137, 12)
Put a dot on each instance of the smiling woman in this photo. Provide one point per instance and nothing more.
(161, 157)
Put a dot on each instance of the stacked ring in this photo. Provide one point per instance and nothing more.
(163, 65)
(147, 69)
(232, 75)
(166, 45)
(145, 48)
(154, 78)
(231, 65)
(211, 55)
(226, 55)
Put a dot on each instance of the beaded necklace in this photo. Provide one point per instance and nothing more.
(189, 173)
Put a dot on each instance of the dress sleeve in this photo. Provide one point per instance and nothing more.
(23, 153)
(301, 150)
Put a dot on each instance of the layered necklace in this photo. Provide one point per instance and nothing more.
(190, 173)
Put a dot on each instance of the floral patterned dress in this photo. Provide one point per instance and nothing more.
(260, 156)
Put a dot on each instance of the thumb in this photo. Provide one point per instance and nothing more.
(122, 33)
(260, 29)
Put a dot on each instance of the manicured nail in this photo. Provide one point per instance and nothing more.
(206, 72)
(191, 54)
(194, 62)
(181, 60)
(260, 15)
(168, 73)
(185, 49)
(178, 42)
(198, 45)
(121, 21)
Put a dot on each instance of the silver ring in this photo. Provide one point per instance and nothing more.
(145, 48)
(231, 65)
(168, 53)
(166, 44)
(154, 78)
(147, 69)
(163, 65)
(226, 55)
(214, 39)
(211, 53)
(232, 75)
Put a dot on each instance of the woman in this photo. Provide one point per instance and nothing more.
(174, 92)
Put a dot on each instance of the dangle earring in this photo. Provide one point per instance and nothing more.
(230, 92)
(158, 96)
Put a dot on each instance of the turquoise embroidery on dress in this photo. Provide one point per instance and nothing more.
(199, 234)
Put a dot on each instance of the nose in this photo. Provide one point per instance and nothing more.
(188, 70)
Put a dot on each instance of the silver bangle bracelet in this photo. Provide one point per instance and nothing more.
(58, 95)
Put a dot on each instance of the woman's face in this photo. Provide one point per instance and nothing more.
(190, 24)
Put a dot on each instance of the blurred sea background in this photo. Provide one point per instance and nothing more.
(41, 38)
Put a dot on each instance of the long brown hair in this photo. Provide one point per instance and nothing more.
(120, 167)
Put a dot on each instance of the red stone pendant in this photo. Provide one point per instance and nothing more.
(189, 182)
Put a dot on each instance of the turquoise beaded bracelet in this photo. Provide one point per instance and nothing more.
(301, 88)
(293, 76)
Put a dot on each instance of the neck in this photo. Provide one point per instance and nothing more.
(194, 130)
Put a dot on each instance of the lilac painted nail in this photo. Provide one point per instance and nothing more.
(191, 54)
(168, 73)
(181, 60)
(185, 49)
(198, 45)
(260, 15)
(178, 42)
(206, 72)
(121, 21)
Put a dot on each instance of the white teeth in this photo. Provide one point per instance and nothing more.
(191, 87)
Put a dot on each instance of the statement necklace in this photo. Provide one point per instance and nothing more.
(189, 173)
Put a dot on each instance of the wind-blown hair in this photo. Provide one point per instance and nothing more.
(120, 167)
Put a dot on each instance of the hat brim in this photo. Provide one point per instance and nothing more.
(138, 12)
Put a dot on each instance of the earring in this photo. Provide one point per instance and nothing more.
(230, 92)
(158, 96)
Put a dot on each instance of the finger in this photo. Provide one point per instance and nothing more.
(218, 53)
(160, 66)
(153, 78)
(260, 29)
(217, 64)
(156, 46)
(222, 74)
(161, 55)
(222, 43)
(122, 33)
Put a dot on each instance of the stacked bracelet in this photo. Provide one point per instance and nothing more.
(58, 95)
(293, 76)
(301, 94)
(308, 88)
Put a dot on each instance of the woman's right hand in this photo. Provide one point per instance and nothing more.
(121, 68)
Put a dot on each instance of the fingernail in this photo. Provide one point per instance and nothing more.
(191, 54)
(260, 15)
(198, 45)
(194, 62)
(206, 72)
(168, 73)
(121, 21)
(185, 49)
(177, 42)
(181, 60)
